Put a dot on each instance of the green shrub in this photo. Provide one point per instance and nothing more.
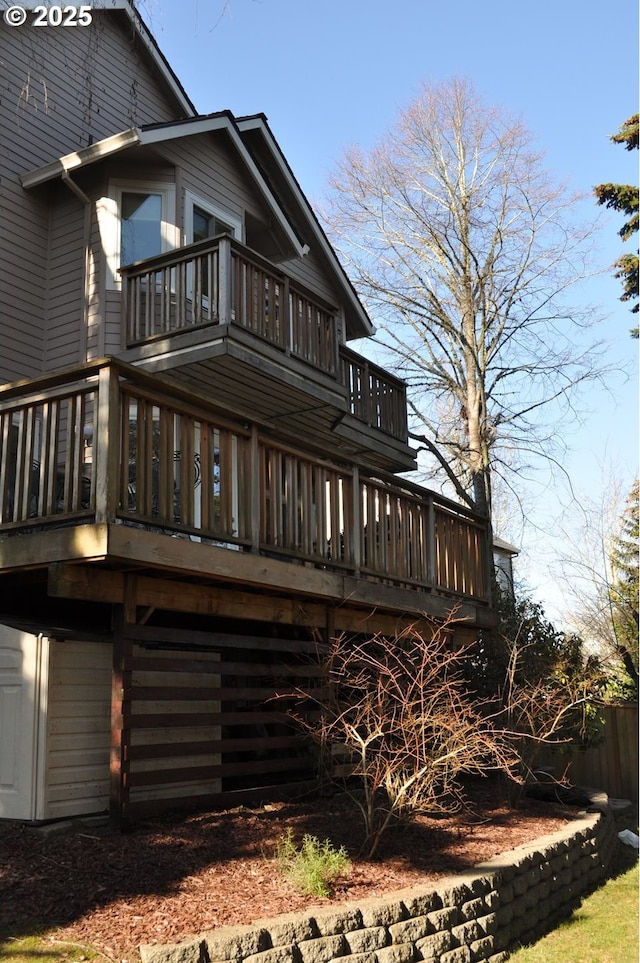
(314, 865)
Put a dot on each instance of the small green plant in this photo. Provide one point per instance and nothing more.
(314, 865)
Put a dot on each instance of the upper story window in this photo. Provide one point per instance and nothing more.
(203, 220)
(137, 221)
(140, 226)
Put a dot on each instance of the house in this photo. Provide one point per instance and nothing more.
(199, 478)
(503, 556)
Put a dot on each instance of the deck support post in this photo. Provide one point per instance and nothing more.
(124, 616)
(106, 445)
(225, 303)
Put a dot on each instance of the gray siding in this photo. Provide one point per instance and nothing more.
(64, 340)
(209, 168)
(63, 90)
(60, 90)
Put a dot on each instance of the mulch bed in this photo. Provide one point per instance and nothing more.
(174, 877)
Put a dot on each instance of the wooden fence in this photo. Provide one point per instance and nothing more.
(201, 719)
(613, 765)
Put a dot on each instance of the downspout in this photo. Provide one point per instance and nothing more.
(86, 237)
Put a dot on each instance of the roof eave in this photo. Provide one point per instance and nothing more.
(82, 158)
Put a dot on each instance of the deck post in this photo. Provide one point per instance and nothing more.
(107, 445)
(225, 287)
(125, 616)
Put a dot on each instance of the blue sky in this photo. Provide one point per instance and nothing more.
(332, 73)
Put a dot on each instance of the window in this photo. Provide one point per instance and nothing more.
(140, 226)
(137, 221)
(203, 220)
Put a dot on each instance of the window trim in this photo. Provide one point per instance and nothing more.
(109, 221)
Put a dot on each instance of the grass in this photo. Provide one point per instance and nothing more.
(41, 948)
(603, 930)
(312, 867)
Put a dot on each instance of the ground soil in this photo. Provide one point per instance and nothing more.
(174, 877)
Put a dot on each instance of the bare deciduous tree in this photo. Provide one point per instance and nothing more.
(464, 251)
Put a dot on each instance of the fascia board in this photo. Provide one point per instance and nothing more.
(82, 158)
(257, 122)
(172, 130)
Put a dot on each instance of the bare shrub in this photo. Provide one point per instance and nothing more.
(400, 712)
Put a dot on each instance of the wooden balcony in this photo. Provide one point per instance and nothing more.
(219, 287)
(107, 445)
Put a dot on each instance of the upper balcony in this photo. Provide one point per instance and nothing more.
(206, 313)
(106, 464)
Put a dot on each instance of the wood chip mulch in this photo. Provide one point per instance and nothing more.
(173, 877)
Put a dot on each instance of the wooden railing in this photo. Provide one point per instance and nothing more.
(219, 282)
(375, 395)
(44, 472)
(108, 444)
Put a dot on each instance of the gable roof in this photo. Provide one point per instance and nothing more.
(161, 133)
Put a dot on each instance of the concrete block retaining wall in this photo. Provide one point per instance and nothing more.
(468, 918)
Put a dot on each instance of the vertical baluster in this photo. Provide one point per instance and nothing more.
(257, 482)
(353, 521)
(226, 482)
(285, 318)
(306, 509)
(206, 477)
(78, 451)
(166, 437)
(210, 311)
(198, 289)
(126, 305)
(337, 516)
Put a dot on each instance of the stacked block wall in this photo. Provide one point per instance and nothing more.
(476, 917)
